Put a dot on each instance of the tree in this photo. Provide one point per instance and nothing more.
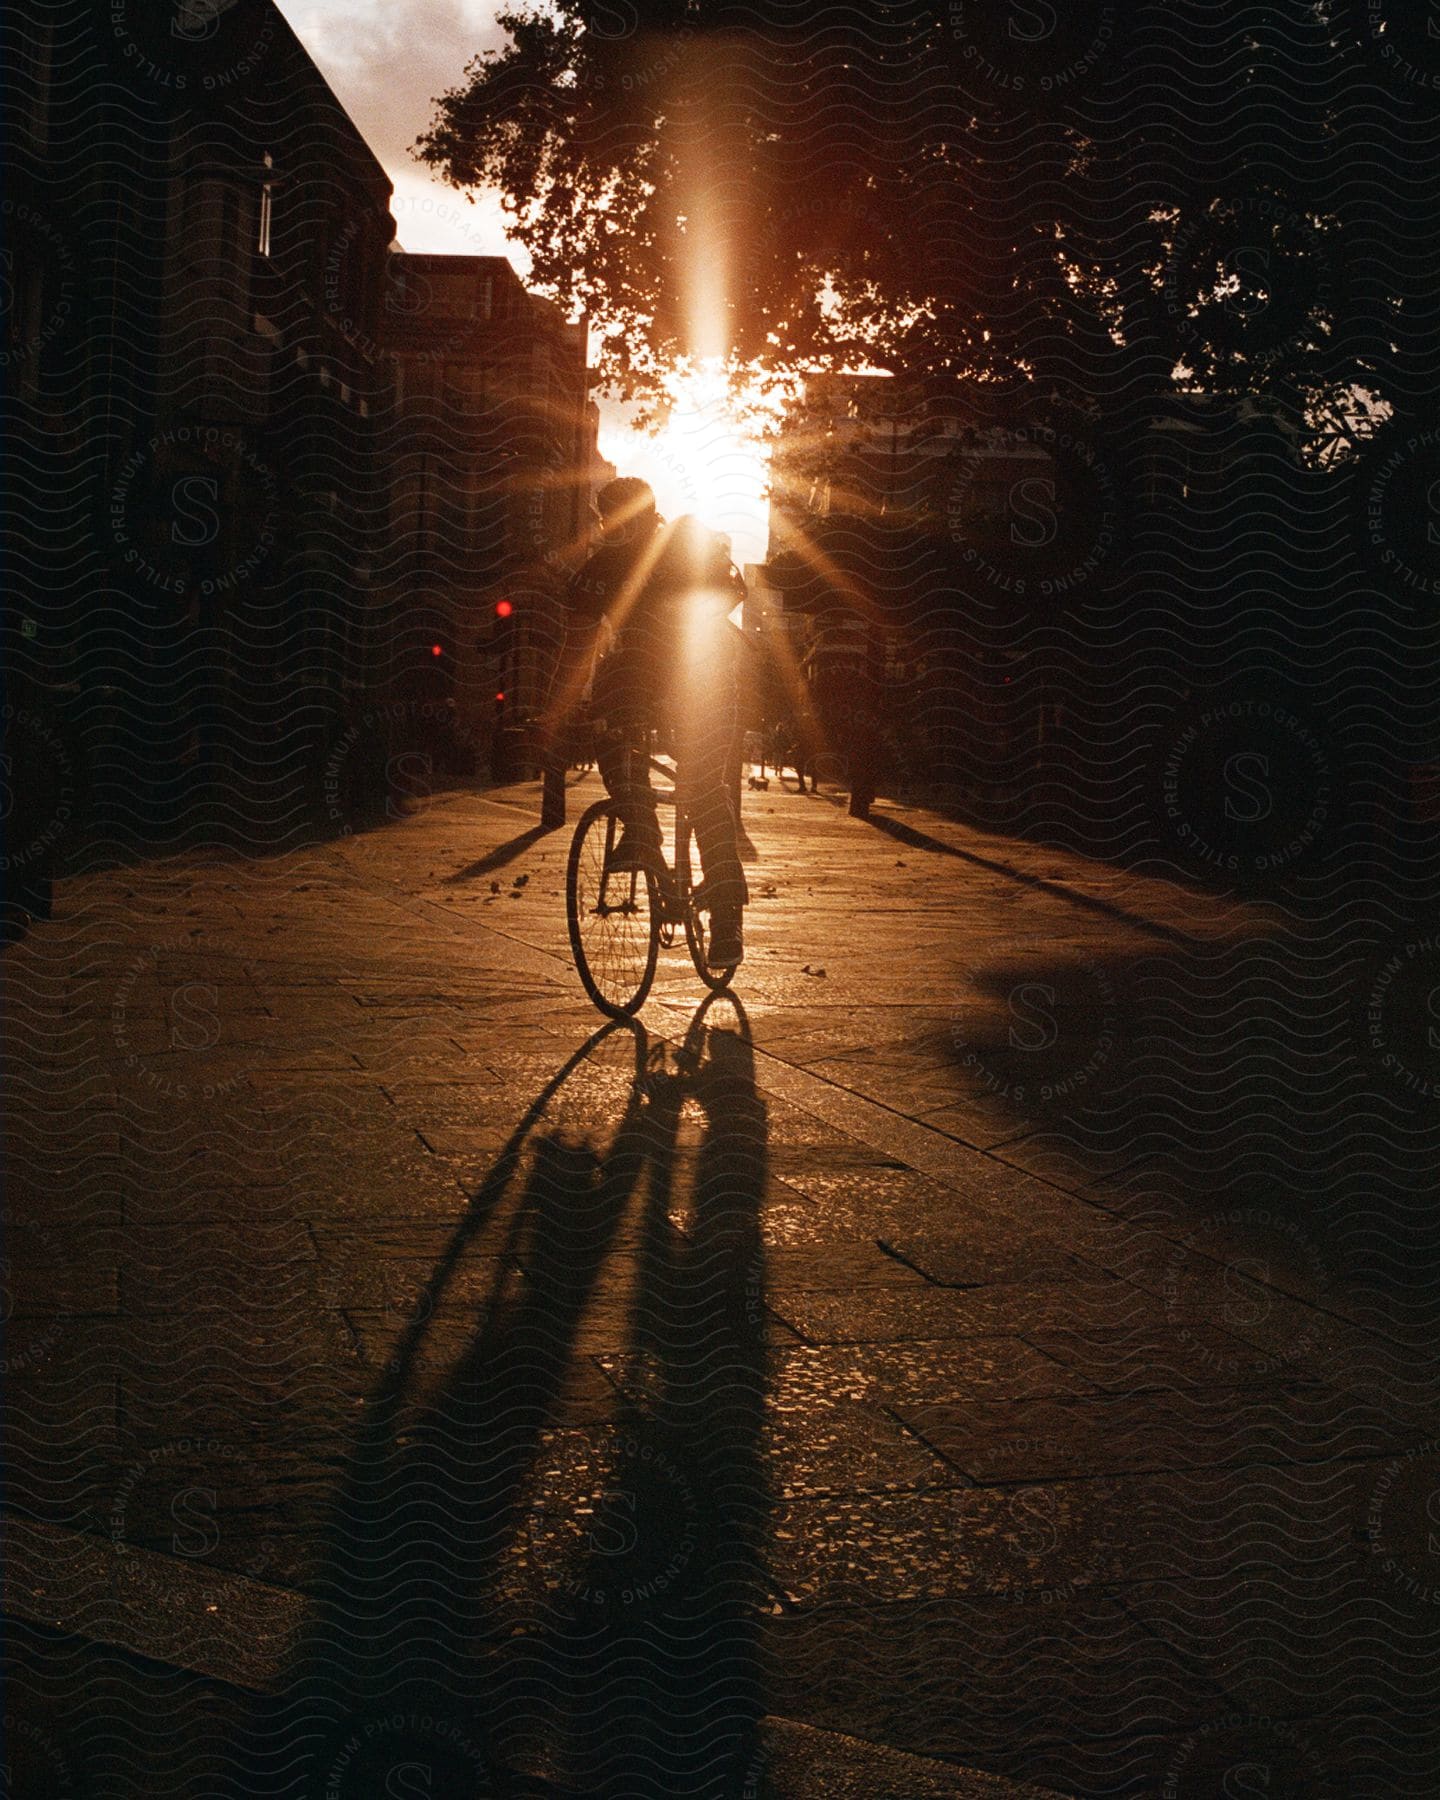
(713, 182)
(938, 191)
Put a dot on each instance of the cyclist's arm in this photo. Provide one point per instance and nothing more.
(722, 593)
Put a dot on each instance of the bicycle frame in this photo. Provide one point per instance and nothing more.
(672, 891)
(661, 895)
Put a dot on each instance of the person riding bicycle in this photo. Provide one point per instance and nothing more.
(661, 595)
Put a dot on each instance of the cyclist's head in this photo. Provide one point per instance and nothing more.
(627, 508)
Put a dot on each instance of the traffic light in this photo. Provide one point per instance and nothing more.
(502, 629)
(501, 652)
(431, 656)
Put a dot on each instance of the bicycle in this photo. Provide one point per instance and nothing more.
(620, 919)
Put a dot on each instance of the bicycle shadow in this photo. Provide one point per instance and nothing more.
(531, 1588)
(501, 856)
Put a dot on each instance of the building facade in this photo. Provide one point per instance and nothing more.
(890, 523)
(201, 419)
(491, 446)
(275, 469)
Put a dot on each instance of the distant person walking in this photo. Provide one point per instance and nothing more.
(844, 700)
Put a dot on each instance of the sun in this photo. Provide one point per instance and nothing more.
(707, 458)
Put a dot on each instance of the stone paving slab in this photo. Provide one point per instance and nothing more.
(989, 1254)
(814, 1443)
(159, 1606)
(86, 1718)
(812, 1381)
(169, 1268)
(39, 1288)
(927, 1677)
(1306, 1648)
(1032, 1545)
(952, 1313)
(63, 1472)
(1165, 1429)
(997, 1368)
(805, 1764)
(126, 1715)
(1028, 1410)
(1178, 1352)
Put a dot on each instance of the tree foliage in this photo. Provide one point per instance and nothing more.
(813, 188)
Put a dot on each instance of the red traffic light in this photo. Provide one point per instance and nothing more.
(503, 609)
(499, 698)
(437, 649)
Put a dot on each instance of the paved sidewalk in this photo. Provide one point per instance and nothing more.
(1009, 1339)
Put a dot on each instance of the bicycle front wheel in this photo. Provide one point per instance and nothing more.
(613, 915)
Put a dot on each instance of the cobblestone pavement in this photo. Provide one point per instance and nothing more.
(1007, 1336)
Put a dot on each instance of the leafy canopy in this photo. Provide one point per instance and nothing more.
(801, 188)
(704, 182)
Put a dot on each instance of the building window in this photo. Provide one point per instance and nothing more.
(267, 201)
(469, 385)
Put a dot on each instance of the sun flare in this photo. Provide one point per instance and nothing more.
(708, 457)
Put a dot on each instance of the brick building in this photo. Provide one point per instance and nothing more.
(196, 404)
(492, 451)
(272, 463)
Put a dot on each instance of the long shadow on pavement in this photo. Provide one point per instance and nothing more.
(922, 840)
(498, 858)
(541, 1581)
(1234, 1086)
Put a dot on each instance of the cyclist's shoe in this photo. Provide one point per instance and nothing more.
(636, 850)
(727, 938)
(710, 896)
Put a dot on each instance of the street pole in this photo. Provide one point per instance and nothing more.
(552, 793)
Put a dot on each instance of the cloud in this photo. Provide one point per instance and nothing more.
(387, 59)
(433, 218)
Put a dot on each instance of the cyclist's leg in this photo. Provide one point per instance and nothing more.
(617, 703)
(625, 770)
(612, 758)
(707, 746)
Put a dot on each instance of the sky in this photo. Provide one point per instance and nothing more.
(386, 61)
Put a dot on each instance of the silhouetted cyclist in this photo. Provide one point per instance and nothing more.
(654, 600)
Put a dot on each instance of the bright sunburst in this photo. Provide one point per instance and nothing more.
(707, 458)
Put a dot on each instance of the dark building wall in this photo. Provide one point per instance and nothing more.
(1094, 633)
(196, 392)
(493, 447)
(273, 467)
(882, 495)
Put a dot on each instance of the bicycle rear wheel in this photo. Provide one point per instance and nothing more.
(613, 915)
(697, 924)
